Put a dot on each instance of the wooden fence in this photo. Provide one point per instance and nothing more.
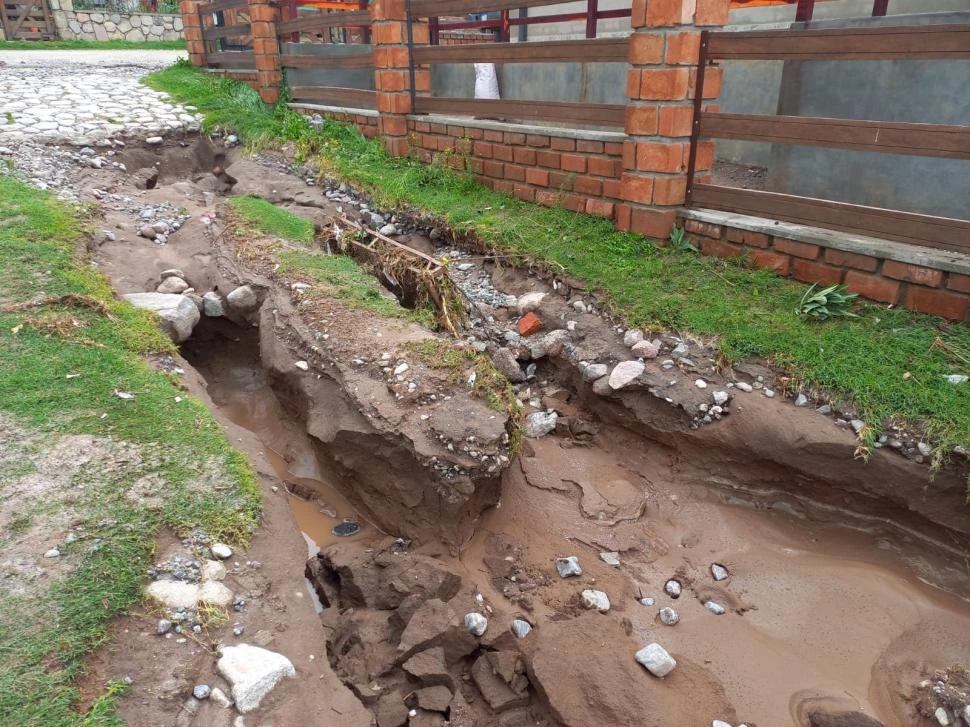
(849, 44)
(226, 34)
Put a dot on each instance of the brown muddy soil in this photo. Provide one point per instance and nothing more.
(847, 585)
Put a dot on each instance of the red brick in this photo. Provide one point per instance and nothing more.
(642, 120)
(515, 173)
(524, 156)
(613, 148)
(612, 188)
(422, 127)
(669, 12)
(439, 128)
(524, 192)
(705, 156)
(629, 155)
(797, 249)
(504, 186)
(623, 217)
(602, 167)
(633, 78)
(500, 151)
(491, 135)
(676, 120)
(938, 302)
(713, 77)
(874, 287)
(483, 149)
(588, 185)
(683, 48)
(562, 144)
(394, 103)
(599, 207)
(574, 203)
(912, 273)
(651, 223)
(772, 261)
(514, 138)
(573, 163)
(394, 125)
(387, 33)
(473, 133)
(959, 283)
(851, 260)
(388, 10)
(645, 49)
(705, 229)
(537, 141)
(496, 170)
(589, 147)
(547, 198)
(638, 14)
(458, 131)
(635, 188)
(719, 248)
(711, 12)
(746, 237)
(385, 57)
(549, 159)
(561, 181)
(529, 324)
(539, 177)
(669, 190)
(664, 84)
(810, 272)
(661, 157)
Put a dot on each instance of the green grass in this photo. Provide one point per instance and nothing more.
(269, 219)
(751, 312)
(91, 45)
(45, 635)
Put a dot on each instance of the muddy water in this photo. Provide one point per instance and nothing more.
(818, 615)
(228, 358)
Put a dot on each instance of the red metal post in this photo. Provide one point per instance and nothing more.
(880, 8)
(505, 30)
(804, 11)
(592, 12)
(433, 31)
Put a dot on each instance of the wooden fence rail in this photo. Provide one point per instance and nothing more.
(887, 137)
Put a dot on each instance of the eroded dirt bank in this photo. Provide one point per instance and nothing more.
(819, 619)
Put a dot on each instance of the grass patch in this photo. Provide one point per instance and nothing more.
(752, 312)
(59, 365)
(92, 45)
(261, 216)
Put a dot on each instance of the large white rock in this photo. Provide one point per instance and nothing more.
(656, 659)
(178, 314)
(172, 284)
(625, 374)
(243, 299)
(529, 302)
(596, 600)
(174, 594)
(252, 672)
(212, 305)
(215, 593)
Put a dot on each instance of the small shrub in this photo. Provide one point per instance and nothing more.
(830, 302)
(679, 241)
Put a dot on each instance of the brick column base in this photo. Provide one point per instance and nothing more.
(264, 19)
(192, 29)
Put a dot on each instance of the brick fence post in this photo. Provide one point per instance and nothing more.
(192, 28)
(663, 54)
(392, 77)
(264, 19)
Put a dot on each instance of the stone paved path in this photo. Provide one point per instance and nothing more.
(83, 97)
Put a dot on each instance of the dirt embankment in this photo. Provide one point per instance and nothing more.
(645, 480)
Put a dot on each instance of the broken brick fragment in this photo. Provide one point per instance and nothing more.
(529, 324)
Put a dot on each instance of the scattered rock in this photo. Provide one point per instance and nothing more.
(550, 344)
(596, 600)
(213, 570)
(201, 691)
(174, 594)
(942, 717)
(719, 572)
(215, 593)
(252, 672)
(924, 449)
(716, 608)
(632, 337)
(147, 231)
(52, 553)
(390, 229)
(668, 616)
(221, 698)
(221, 551)
(171, 273)
(595, 371)
(429, 667)
(521, 628)
(506, 362)
(178, 314)
(625, 373)
(243, 300)
(540, 423)
(172, 285)
(529, 302)
(957, 378)
(656, 660)
(302, 365)
(721, 398)
(500, 678)
(529, 324)
(646, 601)
(401, 368)
(163, 626)
(857, 425)
(801, 400)
(720, 723)
(673, 588)
(212, 305)
(435, 699)
(568, 566)
(646, 349)
(154, 140)
(742, 386)
(475, 623)
(700, 384)
(610, 558)
(680, 350)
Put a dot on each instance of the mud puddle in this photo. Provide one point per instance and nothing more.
(227, 357)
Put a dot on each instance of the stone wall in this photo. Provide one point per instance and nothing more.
(109, 25)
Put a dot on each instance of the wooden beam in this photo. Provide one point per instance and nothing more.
(224, 31)
(913, 42)
(312, 60)
(325, 20)
(600, 114)
(459, 8)
(890, 137)
(332, 95)
(232, 59)
(943, 233)
(215, 7)
(552, 51)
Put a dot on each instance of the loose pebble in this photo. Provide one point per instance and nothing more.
(668, 616)
(568, 566)
(716, 608)
(673, 588)
(598, 600)
(475, 623)
(656, 660)
(719, 572)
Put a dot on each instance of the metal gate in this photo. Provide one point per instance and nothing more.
(27, 20)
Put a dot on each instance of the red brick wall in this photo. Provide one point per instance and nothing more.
(923, 289)
(366, 124)
(582, 176)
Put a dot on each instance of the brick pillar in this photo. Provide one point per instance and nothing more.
(192, 28)
(264, 19)
(663, 56)
(392, 78)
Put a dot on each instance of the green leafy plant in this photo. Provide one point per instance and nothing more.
(679, 240)
(830, 302)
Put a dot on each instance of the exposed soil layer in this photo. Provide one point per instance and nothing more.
(823, 624)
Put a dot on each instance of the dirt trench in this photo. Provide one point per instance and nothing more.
(847, 582)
